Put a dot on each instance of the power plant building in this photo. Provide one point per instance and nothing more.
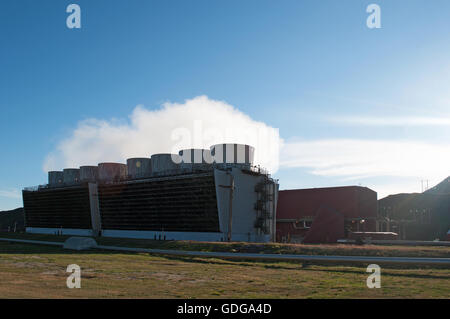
(325, 215)
(417, 216)
(205, 195)
(217, 194)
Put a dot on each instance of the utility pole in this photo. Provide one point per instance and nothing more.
(230, 211)
(426, 188)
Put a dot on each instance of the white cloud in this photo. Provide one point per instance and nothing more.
(10, 193)
(199, 122)
(355, 160)
(388, 167)
(391, 121)
(202, 122)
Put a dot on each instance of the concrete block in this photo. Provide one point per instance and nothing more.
(80, 243)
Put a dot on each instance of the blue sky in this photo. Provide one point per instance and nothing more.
(312, 69)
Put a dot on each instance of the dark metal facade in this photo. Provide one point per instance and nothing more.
(424, 216)
(179, 203)
(66, 207)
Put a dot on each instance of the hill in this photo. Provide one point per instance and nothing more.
(441, 188)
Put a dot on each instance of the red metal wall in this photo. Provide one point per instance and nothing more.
(328, 227)
(350, 202)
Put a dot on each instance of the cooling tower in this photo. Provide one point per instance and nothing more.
(230, 154)
(139, 167)
(88, 173)
(111, 171)
(165, 163)
(195, 159)
(71, 175)
(55, 178)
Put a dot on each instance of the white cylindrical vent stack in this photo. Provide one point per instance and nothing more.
(71, 175)
(139, 167)
(112, 171)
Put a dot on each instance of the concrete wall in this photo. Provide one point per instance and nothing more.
(143, 234)
(195, 236)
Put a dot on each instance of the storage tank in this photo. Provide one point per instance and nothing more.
(165, 163)
(71, 175)
(195, 159)
(111, 171)
(139, 167)
(55, 178)
(88, 173)
(240, 154)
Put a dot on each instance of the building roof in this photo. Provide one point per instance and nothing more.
(336, 188)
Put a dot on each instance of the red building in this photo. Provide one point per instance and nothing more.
(324, 215)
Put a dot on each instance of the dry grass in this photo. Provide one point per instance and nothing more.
(29, 271)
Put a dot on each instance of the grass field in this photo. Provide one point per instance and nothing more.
(34, 271)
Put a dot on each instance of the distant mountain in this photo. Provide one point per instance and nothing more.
(441, 188)
(10, 218)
